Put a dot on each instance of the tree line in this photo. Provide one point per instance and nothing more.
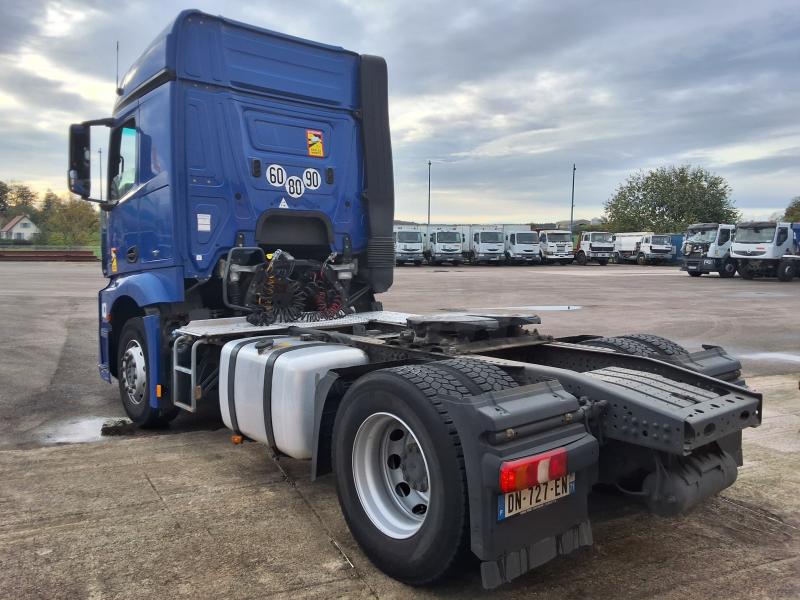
(669, 199)
(62, 220)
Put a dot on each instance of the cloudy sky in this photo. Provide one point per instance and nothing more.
(502, 97)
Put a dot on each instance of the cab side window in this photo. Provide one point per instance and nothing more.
(783, 235)
(543, 238)
(124, 159)
(476, 238)
(724, 236)
(513, 238)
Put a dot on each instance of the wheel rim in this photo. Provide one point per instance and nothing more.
(133, 372)
(391, 475)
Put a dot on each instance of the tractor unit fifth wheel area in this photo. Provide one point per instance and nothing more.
(247, 227)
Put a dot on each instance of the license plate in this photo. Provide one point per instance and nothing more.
(516, 503)
(692, 267)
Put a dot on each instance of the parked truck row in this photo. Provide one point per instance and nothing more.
(246, 228)
(753, 249)
(520, 244)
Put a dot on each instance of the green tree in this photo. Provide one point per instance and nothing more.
(668, 199)
(792, 213)
(4, 192)
(72, 223)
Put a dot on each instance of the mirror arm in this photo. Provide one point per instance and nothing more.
(108, 122)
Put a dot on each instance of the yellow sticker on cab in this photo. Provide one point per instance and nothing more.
(113, 260)
(315, 143)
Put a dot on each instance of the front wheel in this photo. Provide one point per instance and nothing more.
(786, 270)
(132, 374)
(746, 271)
(728, 269)
(581, 258)
(641, 259)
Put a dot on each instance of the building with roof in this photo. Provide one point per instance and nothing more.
(19, 228)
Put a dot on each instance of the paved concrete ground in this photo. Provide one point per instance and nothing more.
(189, 514)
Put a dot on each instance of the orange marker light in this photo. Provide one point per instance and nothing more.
(158, 390)
(237, 439)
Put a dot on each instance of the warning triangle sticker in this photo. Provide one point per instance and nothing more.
(283, 203)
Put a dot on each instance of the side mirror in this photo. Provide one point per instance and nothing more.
(79, 178)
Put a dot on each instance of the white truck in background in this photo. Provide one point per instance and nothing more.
(767, 248)
(708, 249)
(408, 244)
(444, 243)
(486, 244)
(642, 247)
(555, 245)
(594, 246)
(521, 244)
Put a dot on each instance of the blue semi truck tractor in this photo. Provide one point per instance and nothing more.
(246, 229)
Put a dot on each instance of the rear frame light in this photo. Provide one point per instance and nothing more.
(523, 473)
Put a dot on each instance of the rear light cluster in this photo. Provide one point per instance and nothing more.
(526, 472)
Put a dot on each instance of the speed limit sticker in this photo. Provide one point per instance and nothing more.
(311, 179)
(276, 175)
(295, 186)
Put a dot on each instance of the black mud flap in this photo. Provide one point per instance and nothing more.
(510, 424)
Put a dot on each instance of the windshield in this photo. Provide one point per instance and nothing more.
(491, 237)
(558, 237)
(409, 237)
(701, 236)
(526, 238)
(754, 235)
(448, 237)
(661, 240)
(602, 237)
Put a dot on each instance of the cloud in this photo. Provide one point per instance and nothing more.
(502, 97)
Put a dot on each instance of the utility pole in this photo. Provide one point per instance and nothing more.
(100, 165)
(572, 205)
(429, 196)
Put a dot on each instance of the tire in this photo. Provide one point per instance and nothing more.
(602, 262)
(658, 344)
(746, 271)
(728, 269)
(621, 344)
(641, 260)
(484, 376)
(697, 273)
(421, 545)
(581, 258)
(786, 270)
(543, 259)
(132, 376)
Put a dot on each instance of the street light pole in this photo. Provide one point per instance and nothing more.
(572, 204)
(100, 154)
(429, 196)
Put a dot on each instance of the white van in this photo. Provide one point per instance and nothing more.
(521, 244)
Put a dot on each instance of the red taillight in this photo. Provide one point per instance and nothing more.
(526, 472)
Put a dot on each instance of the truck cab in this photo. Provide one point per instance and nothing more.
(643, 247)
(555, 245)
(226, 143)
(707, 249)
(521, 245)
(486, 244)
(595, 246)
(445, 244)
(767, 248)
(408, 244)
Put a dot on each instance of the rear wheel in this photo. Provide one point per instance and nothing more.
(728, 269)
(132, 375)
(621, 344)
(399, 466)
(657, 343)
(786, 270)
